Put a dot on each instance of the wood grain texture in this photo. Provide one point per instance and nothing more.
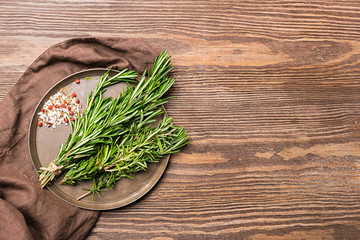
(269, 94)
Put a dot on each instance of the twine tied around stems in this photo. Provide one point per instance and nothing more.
(53, 168)
(49, 173)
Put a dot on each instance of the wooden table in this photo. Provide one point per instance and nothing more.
(269, 94)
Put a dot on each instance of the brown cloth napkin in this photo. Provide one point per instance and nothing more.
(26, 210)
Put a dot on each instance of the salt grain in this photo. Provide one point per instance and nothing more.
(52, 116)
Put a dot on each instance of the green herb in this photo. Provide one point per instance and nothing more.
(128, 155)
(112, 138)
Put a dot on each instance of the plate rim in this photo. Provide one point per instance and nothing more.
(65, 197)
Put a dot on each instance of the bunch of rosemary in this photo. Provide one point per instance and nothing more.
(113, 138)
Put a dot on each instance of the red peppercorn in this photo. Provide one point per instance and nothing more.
(56, 106)
(73, 95)
(66, 120)
(50, 107)
(71, 113)
(72, 119)
(69, 108)
(43, 110)
(39, 124)
(77, 101)
(63, 105)
(77, 81)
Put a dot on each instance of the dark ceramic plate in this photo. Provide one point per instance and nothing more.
(44, 146)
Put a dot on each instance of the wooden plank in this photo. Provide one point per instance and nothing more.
(268, 91)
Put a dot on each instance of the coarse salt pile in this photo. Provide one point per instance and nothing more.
(57, 108)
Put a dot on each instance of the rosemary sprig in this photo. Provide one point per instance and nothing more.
(74, 147)
(111, 130)
(128, 155)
